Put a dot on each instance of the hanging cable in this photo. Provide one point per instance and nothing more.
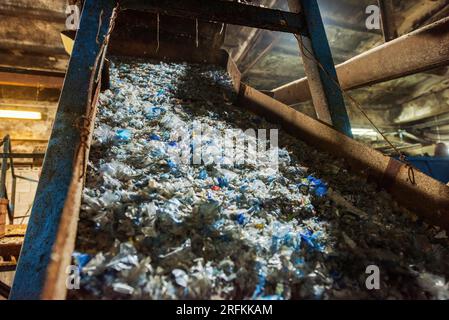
(402, 157)
(197, 41)
(222, 28)
(158, 33)
(347, 95)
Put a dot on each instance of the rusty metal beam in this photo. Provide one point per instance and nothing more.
(389, 28)
(14, 10)
(31, 78)
(222, 11)
(421, 50)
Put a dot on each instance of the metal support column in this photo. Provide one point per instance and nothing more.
(60, 159)
(327, 97)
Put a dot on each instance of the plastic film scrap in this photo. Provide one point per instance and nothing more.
(155, 226)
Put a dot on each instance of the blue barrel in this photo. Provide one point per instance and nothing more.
(437, 168)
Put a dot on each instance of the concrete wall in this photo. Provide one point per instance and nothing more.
(25, 191)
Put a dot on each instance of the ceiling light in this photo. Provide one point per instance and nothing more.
(364, 132)
(16, 114)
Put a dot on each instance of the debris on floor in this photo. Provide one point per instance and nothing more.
(155, 227)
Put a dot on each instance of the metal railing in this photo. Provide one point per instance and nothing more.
(6, 156)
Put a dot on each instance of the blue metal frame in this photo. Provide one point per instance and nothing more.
(61, 152)
(323, 55)
(65, 139)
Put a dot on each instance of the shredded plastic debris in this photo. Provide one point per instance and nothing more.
(154, 227)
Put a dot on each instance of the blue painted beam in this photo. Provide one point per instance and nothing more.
(321, 50)
(58, 164)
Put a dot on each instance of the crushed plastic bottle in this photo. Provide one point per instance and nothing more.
(153, 225)
(123, 135)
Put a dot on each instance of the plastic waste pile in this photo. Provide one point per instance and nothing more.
(155, 227)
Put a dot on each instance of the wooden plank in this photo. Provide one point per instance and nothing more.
(222, 11)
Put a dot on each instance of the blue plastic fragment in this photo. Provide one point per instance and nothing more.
(218, 224)
(311, 239)
(202, 175)
(172, 144)
(275, 243)
(81, 259)
(318, 186)
(171, 164)
(240, 218)
(123, 135)
(154, 137)
(260, 287)
(223, 182)
(152, 113)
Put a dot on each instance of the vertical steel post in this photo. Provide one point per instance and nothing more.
(61, 153)
(326, 95)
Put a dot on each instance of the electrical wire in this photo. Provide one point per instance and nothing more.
(158, 33)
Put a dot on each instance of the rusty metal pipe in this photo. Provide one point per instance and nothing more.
(424, 49)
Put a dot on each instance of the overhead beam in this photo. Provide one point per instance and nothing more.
(418, 14)
(17, 45)
(222, 11)
(32, 13)
(31, 78)
(28, 60)
(421, 50)
(389, 28)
